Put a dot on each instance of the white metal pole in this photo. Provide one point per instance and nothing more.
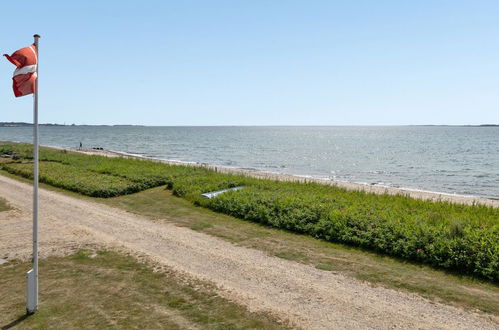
(32, 301)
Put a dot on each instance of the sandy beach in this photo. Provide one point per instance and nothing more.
(377, 189)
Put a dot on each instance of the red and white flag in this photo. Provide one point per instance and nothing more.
(26, 60)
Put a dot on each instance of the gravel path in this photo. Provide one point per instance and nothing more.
(305, 296)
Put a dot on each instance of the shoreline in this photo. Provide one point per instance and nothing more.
(353, 186)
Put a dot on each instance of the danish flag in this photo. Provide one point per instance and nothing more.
(26, 60)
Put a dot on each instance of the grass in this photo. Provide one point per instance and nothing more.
(107, 290)
(4, 206)
(452, 236)
(323, 266)
(290, 256)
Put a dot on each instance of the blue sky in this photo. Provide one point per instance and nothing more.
(257, 62)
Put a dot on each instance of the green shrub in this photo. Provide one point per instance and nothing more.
(75, 179)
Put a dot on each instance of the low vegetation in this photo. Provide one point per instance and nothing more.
(107, 290)
(76, 179)
(451, 236)
(4, 206)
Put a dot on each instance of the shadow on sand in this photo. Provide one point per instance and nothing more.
(15, 322)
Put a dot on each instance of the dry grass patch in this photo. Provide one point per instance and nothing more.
(107, 290)
(4, 206)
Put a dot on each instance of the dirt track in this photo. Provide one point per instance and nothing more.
(307, 297)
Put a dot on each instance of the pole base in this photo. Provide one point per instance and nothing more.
(31, 294)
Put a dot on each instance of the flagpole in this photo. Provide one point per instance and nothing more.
(32, 275)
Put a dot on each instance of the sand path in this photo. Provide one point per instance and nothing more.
(305, 296)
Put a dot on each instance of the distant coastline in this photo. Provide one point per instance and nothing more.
(24, 124)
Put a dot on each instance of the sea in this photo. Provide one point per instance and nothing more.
(461, 160)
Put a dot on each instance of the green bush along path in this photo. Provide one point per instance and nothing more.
(457, 237)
